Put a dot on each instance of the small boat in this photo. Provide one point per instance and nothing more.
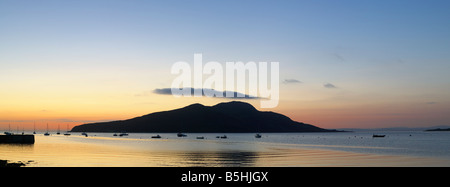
(115, 134)
(84, 134)
(8, 133)
(224, 137)
(181, 134)
(46, 133)
(258, 135)
(378, 136)
(123, 134)
(58, 132)
(157, 136)
(67, 132)
(200, 137)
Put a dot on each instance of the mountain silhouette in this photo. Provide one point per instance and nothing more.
(231, 117)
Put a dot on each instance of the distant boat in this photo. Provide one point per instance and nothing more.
(157, 136)
(58, 132)
(123, 134)
(224, 137)
(200, 137)
(115, 134)
(181, 134)
(46, 133)
(9, 130)
(258, 135)
(378, 136)
(84, 134)
(67, 132)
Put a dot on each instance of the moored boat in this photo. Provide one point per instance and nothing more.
(157, 136)
(378, 136)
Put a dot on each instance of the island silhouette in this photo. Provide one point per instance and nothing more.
(230, 117)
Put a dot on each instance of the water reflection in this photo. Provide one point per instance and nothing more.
(82, 151)
(8, 148)
(219, 159)
(15, 152)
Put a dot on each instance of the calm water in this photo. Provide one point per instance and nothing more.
(273, 149)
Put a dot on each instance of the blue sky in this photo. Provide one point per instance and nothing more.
(396, 51)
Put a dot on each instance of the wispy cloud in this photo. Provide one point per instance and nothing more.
(338, 57)
(217, 94)
(329, 85)
(291, 81)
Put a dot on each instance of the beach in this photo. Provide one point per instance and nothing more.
(238, 150)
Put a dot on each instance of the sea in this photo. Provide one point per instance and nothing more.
(343, 149)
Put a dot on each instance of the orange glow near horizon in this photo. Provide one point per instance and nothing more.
(331, 116)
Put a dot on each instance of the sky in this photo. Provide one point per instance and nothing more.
(343, 64)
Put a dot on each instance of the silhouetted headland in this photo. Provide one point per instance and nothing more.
(438, 129)
(231, 117)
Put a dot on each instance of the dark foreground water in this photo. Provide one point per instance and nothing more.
(415, 148)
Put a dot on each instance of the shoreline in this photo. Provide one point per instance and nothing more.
(7, 163)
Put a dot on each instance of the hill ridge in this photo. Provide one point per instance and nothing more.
(228, 117)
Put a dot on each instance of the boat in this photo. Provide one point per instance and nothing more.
(123, 134)
(157, 136)
(9, 131)
(181, 134)
(224, 137)
(47, 133)
(58, 132)
(200, 137)
(378, 136)
(84, 134)
(115, 134)
(258, 135)
(67, 132)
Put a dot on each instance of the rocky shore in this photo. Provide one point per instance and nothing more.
(5, 163)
